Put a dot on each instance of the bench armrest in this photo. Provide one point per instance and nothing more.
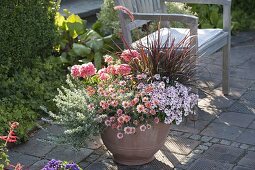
(220, 2)
(190, 20)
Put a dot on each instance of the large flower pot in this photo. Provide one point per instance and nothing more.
(138, 148)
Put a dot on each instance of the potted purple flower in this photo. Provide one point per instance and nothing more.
(60, 165)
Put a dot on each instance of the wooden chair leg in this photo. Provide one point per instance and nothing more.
(225, 69)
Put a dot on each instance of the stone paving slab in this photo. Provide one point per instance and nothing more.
(239, 83)
(169, 158)
(252, 125)
(205, 164)
(208, 113)
(236, 119)
(26, 160)
(221, 130)
(243, 38)
(248, 137)
(242, 168)
(54, 130)
(242, 74)
(249, 96)
(81, 7)
(109, 165)
(179, 145)
(191, 126)
(209, 80)
(242, 106)
(39, 165)
(218, 101)
(234, 93)
(222, 153)
(252, 87)
(248, 160)
(69, 153)
(35, 147)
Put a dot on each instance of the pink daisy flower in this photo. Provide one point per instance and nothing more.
(142, 128)
(156, 120)
(140, 108)
(152, 112)
(127, 118)
(148, 105)
(112, 119)
(119, 127)
(128, 130)
(125, 104)
(148, 126)
(135, 122)
(122, 83)
(119, 112)
(120, 135)
(114, 103)
(121, 119)
(107, 122)
(133, 130)
(114, 126)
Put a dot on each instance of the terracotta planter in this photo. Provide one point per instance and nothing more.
(136, 149)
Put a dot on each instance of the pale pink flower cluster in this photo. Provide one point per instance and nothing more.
(174, 101)
(129, 55)
(84, 70)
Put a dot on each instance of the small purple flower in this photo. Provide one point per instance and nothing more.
(72, 166)
(53, 165)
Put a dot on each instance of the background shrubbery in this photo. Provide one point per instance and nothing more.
(28, 75)
(210, 16)
(243, 16)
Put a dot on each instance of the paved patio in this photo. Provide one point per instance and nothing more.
(222, 139)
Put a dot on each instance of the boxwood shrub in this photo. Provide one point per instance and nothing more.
(28, 75)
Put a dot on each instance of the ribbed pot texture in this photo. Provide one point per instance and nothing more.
(138, 148)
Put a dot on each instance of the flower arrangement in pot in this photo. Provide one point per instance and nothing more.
(131, 102)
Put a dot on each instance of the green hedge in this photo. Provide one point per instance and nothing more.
(27, 31)
(243, 16)
(28, 75)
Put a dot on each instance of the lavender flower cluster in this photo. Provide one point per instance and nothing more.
(174, 101)
(59, 165)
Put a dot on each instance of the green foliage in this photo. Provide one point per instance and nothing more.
(178, 8)
(28, 76)
(108, 21)
(243, 16)
(27, 31)
(210, 16)
(4, 161)
(23, 92)
(77, 43)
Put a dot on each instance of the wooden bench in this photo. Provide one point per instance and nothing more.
(206, 41)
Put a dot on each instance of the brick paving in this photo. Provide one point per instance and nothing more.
(223, 138)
